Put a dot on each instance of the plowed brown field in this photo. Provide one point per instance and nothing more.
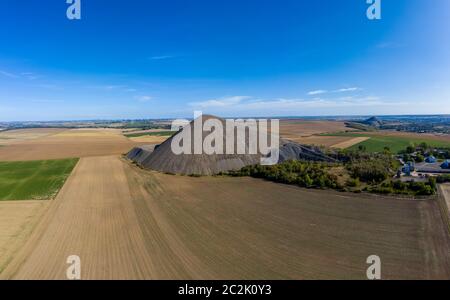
(126, 223)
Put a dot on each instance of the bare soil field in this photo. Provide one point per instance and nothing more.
(127, 223)
(17, 219)
(68, 144)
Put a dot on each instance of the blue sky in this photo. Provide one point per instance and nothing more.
(151, 59)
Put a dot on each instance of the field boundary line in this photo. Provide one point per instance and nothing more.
(443, 207)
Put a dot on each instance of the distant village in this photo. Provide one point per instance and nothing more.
(420, 163)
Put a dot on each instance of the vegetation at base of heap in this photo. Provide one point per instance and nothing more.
(357, 171)
(301, 173)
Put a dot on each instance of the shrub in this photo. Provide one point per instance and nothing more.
(353, 182)
(370, 171)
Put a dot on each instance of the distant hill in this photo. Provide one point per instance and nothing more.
(373, 121)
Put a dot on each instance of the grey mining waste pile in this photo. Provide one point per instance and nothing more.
(162, 158)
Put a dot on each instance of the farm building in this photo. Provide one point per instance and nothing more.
(430, 159)
(408, 168)
(446, 164)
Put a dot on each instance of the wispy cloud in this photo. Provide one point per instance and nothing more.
(8, 74)
(289, 105)
(115, 87)
(161, 57)
(26, 75)
(350, 89)
(221, 102)
(317, 92)
(341, 90)
(30, 75)
(143, 98)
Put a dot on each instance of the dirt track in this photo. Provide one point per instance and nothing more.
(126, 223)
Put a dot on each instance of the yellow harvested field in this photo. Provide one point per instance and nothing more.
(13, 136)
(318, 140)
(68, 144)
(351, 142)
(149, 139)
(135, 131)
(127, 223)
(90, 133)
(17, 219)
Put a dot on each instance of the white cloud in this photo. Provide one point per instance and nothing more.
(143, 98)
(350, 89)
(317, 92)
(161, 57)
(222, 102)
(293, 106)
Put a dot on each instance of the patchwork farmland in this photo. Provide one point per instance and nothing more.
(129, 223)
(377, 141)
(178, 227)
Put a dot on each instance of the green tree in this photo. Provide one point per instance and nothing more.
(410, 149)
(419, 158)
